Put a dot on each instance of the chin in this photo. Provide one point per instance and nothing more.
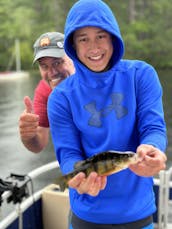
(98, 69)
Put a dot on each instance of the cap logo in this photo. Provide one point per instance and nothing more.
(45, 41)
(60, 44)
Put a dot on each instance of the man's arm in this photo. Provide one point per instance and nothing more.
(37, 143)
(34, 137)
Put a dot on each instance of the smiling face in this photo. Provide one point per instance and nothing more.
(54, 70)
(94, 47)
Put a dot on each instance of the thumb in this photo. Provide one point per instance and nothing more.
(28, 104)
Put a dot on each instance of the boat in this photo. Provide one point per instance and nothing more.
(48, 208)
(18, 73)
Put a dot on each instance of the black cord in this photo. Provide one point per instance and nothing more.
(35, 212)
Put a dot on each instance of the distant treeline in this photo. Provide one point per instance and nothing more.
(145, 27)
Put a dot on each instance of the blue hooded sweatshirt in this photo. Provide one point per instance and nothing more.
(118, 109)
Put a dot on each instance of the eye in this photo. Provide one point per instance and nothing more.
(58, 63)
(44, 67)
(82, 39)
(101, 36)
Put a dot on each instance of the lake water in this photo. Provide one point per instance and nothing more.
(166, 81)
(14, 157)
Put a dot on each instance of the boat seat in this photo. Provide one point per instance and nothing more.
(55, 208)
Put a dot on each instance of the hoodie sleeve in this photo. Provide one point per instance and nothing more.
(65, 136)
(150, 115)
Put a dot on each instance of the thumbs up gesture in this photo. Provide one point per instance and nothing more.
(28, 105)
(28, 121)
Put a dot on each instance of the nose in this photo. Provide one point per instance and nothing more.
(93, 46)
(52, 71)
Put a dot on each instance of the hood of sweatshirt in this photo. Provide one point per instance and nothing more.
(92, 13)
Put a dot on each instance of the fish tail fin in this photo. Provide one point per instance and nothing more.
(61, 182)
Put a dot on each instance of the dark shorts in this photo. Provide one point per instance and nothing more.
(78, 223)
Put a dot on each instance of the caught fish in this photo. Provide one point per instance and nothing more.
(105, 164)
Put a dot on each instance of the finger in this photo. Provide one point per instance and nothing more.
(156, 160)
(28, 104)
(26, 135)
(76, 180)
(28, 119)
(96, 187)
(91, 184)
(29, 127)
(164, 156)
(103, 182)
(143, 150)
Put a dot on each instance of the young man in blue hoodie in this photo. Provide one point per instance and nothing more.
(108, 104)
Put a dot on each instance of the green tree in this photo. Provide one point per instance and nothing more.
(145, 27)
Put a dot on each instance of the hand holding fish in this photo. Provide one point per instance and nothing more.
(151, 161)
(91, 185)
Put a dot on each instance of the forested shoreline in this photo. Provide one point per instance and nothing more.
(145, 27)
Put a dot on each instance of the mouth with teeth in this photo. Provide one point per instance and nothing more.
(96, 58)
(96, 62)
(56, 79)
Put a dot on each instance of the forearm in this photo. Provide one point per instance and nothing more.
(34, 144)
(38, 142)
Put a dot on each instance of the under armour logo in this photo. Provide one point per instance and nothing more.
(120, 111)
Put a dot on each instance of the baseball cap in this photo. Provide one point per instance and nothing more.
(49, 44)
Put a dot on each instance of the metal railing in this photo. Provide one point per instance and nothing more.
(165, 199)
(163, 182)
(21, 207)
